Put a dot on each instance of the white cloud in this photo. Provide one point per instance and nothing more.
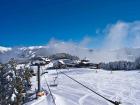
(122, 34)
(86, 41)
(115, 35)
(135, 34)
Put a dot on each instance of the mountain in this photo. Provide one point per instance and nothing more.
(63, 56)
(23, 53)
(4, 49)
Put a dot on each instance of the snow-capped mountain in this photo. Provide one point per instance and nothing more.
(4, 49)
(21, 53)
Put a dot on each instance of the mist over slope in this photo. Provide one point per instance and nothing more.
(128, 54)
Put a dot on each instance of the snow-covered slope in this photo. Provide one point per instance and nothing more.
(118, 86)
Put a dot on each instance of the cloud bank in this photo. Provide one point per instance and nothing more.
(122, 35)
(118, 37)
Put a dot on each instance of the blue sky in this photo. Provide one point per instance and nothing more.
(35, 22)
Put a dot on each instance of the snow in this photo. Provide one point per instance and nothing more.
(13, 97)
(5, 49)
(121, 86)
(41, 101)
(19, 66)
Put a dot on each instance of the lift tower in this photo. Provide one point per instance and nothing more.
(39, 61)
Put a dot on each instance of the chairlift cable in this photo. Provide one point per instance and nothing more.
(113, 102)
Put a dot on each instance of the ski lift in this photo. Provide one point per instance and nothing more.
(55, 82)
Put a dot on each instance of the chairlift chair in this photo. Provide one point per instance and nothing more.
(55, 83)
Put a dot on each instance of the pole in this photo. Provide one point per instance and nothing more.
(38, 77)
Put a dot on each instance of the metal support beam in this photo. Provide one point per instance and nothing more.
(38, 77)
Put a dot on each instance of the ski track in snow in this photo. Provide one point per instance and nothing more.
(120, 85)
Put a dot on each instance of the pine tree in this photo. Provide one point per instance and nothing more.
(27, 76)
(13, 83)
(137, 62)
(18, 85)
(6, 85)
